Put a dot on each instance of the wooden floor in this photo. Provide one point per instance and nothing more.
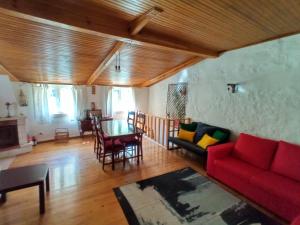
(80, 191)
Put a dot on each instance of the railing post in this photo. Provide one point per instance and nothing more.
(164, 134)
(168, 134)
(160, 129)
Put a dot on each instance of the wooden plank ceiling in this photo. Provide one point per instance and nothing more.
(76, 41)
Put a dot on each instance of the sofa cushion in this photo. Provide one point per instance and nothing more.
(220, 135)
(116, 146)
(206, 141)
(189, 126)
(188, 146)
(278, 185)
(200, 125)
(204, 130)
(236, 168)
(186, 135)
(255, 150)
(296, 221)
(287, 160)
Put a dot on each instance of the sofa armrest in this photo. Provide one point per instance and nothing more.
(217, 152)
(296, 221)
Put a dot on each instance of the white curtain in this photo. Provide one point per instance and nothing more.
(40, 103)
(80, 100)
(130, 99)
(122, 101)
(109, 102)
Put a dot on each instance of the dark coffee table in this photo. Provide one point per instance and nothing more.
(24, 177)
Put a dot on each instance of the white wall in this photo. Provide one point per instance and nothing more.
(46, 131)
(141, 99)
(270, 104)
(6, 95)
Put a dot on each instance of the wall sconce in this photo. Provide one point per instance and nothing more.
(233, 88)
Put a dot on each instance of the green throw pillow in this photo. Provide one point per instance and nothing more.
(189, 127)
(219, 135)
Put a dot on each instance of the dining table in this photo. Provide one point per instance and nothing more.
(118, 129)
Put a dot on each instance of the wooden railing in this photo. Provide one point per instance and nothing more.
(159, 128)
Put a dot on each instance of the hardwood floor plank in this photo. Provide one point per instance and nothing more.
(80, 191)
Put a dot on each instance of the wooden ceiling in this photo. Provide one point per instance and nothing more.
(140, 64)
(76, 41)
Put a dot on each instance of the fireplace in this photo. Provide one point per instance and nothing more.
(9, 137)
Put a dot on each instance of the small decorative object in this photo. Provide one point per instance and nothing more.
(7, 94)
(34, 141)
(233, 88)
(7, 107)
(93, 106)
(22, 98)
(93, 90)
(183, 91)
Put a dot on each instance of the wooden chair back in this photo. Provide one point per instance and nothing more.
(91, 113)
(98, 132)
(93, 122)
(131, 117)
(140, 121)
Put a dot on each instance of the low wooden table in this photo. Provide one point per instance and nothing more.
(24, 177)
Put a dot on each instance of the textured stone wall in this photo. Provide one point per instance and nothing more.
(268, 105)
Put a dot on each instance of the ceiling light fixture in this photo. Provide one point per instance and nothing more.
(118, 62)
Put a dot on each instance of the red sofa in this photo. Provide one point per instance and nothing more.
(265, 171)
(296, 221)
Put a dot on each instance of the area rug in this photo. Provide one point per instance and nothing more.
(185, 197)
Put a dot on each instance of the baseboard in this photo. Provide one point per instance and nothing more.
(73, 137)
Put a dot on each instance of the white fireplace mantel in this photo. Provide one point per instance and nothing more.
(24, 145)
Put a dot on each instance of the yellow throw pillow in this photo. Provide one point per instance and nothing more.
(206, 140)
(186, 135)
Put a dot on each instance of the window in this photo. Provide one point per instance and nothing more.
(61, 101)
(122, 101)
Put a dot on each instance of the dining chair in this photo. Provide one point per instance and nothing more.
(96, 125)
(96, 141)
(108, 147)
(130, 120)
(134, 143)
(141, 120)
(140, 124)
(131, 117)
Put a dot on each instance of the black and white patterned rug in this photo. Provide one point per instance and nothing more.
(185, 197)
